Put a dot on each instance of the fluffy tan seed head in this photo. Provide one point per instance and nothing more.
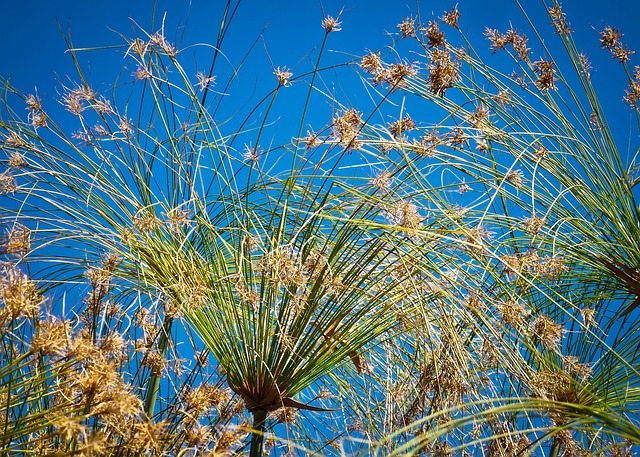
(546, 75)
(407, 28)
(434, 36)
(18, 295)
(559, 20)
(371, 63)
(401, 126)
(331, 24)
(18, 240)
(283, 75)
(451, 18)
(547, 331)
(204, 81)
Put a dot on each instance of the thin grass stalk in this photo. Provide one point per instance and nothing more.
(153, 383)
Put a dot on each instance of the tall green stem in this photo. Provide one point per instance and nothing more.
(257, 436)
(154, 380)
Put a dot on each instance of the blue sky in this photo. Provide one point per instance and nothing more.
(34, 50)
(35, 56)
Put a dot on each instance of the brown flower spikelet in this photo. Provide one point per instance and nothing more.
(434, 36)
(451, 18)
(331, 24)
(18, 295)
(559, 20)
(443, 71)
(546, 75)
(400, 126)
(407, 28)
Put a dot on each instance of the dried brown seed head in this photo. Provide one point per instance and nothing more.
(18, 240)
(283, 75)
(160, 42)
(331, 24)
(401, 126)
(34, 103)
(515, 177)
(405, 214)
(408, 28)
(622, 53)
(204, 81)
(533, 224)
(547, 331)
(382, 181)
(396, 74)
(142, 73)
(451, 18)
(371, 63)
(559, 20)
(546, 75)
(434, 36)
(610, 37)
(443, 71)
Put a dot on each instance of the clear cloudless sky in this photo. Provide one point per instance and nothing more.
(33, 52)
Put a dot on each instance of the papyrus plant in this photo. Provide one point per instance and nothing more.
(489, 217)
(524, 181)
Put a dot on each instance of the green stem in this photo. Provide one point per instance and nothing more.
(154, 381)
(257, 436)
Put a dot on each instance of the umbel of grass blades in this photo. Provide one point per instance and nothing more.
(310, 296)
(585, 186)
(128, 190)
(577, 177)
(85, 199)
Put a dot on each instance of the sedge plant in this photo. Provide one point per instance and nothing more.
(463, 283)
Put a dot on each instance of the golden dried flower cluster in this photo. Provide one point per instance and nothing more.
(405, 214)
(8, 183)
(632, 93)
(395, 75)
(435, 37)
(443, 71)
(610, 40)
(331, 24)
(382, 181)
(74, 99)
(515, 177)
(159, 41)
(546, 75)
(513, 313)
(408, 28)
(518, 41)
(426, 145)
(37, 116)
(19, 296)
(548, 268)
(533, 224)
(17, 241)
(547, 331)
(346, 129)
(559, 20)
(401, 126)
(452, 18)
(283, 75)
(282, 266)
(204, 81)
